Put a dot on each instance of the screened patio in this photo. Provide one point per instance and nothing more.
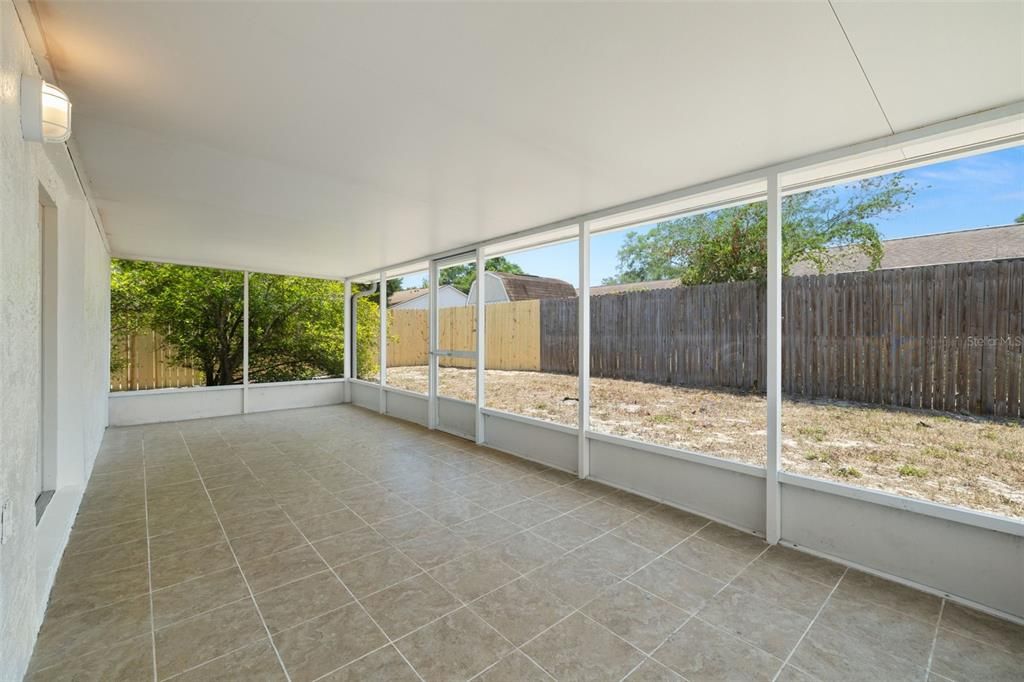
(238, 453)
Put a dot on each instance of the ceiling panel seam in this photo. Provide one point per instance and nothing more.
(860, 65)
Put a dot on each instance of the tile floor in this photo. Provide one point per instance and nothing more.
(335, 544)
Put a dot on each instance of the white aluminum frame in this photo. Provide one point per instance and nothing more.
(382, 354)
(481, 343)
(773, 526)
(245, 342)
(772, 178)
(583, 365)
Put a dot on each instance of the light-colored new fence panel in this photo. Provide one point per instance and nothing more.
(149, 363)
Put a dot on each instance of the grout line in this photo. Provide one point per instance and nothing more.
(811, 624)
(338, 578)
(935, 639)
(149, 558)
(238, 564)
(330, 446)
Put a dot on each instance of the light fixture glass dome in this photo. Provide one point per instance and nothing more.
(45, 111)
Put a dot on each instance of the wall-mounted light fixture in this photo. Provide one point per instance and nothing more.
(45, 111)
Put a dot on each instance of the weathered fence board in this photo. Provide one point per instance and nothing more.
(945, 337)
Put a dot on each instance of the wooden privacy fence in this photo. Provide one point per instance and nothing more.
(944, 337)
(711, 335)
(513, 335)
(149, 364)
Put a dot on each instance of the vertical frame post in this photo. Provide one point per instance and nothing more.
(773, 522)
(382, 296)
(245, 342)
(349, 322)
(481, 342)
(583, 336)
(432, 318)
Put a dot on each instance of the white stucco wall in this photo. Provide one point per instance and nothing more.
(29, 558)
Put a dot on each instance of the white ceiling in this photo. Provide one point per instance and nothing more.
(330, 139)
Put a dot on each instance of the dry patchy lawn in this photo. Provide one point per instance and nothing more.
(952, 459)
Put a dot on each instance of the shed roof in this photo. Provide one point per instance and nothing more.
(532, 287)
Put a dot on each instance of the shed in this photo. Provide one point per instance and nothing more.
(503, 287)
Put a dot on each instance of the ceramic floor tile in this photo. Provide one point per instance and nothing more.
(376, 571)
(709, 558)
(325, 525)
(290, 604)
(881, 592)
(355, 544)
(577, 648)
(650, 533)
(566, 532)
(652, 671)
(677, 584)
(515, 667)
(473, 575)
(961, 658)
(640, 618)
(326, 643)
(268, 541)
(272, 570)
(255, 662)
(766, 624)
(777, 584)
(189, 564)
(195, 641)
(450, 571)
(573, 580)
(701, 652)
(71, 597)
(526, 551)
(458, 646)
(434, 549)
(615, 555)
(520, 610)
(84, 632)
(130, 661)
(191, 598)
(409, 604)
(384, 664)
(892, 631)
(805, 565)
(983, 627)
(831, 655)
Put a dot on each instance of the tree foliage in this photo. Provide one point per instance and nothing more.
(1020, 218)
(820, 227)
(463, 276)
(296, 324)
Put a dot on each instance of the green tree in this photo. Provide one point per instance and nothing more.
(730, 244)
(1020, 218)
(296, 324)
(463, 276)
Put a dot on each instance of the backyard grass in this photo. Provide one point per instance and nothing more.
(966, 461)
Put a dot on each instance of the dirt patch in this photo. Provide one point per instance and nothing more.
(966, 461)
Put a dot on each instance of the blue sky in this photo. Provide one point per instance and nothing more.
(977, 191)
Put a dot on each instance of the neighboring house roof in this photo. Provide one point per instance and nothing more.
(531, 287)
(982, 243)
(634, 286)
(407, 295)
